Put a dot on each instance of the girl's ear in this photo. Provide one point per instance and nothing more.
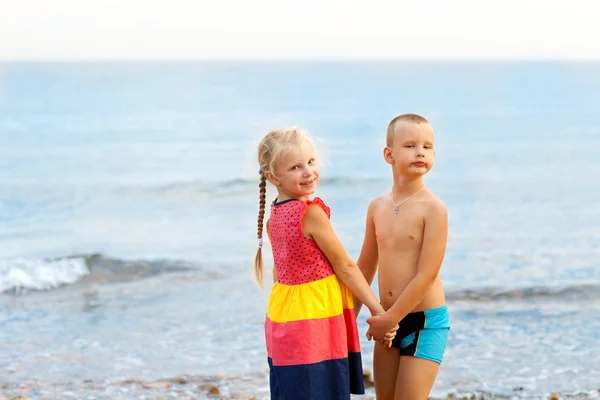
(274, 181)
(387, 155)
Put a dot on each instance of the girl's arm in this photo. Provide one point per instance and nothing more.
(316, 225)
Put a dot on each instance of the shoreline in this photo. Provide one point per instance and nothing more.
(250, 387)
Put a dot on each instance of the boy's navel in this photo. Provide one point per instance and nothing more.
(390, 294)
(411, 237)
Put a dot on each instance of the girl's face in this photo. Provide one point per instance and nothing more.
(296, 173)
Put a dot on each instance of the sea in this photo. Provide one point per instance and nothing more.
(129, 204)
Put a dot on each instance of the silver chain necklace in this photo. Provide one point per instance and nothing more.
(397, 206)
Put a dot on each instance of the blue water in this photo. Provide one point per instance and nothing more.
(157, 162)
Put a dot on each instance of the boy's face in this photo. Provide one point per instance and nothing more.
(412, 152)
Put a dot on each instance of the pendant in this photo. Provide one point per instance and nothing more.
(396, 209)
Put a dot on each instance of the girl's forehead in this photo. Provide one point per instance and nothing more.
(302, 150)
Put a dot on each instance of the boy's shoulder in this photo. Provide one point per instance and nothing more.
(433, 205)
(377, 202)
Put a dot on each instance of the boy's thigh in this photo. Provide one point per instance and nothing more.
(419, 364)
(429, 344)
(385, 371)
(415, 378)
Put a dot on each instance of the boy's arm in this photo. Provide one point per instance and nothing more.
(369, 255)
(316, 224)
(435, 235)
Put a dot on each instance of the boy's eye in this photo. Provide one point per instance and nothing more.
(311, 161)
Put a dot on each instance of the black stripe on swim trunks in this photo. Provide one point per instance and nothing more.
(409, 324)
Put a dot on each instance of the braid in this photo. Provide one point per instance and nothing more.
(258, 264)
(263, 195)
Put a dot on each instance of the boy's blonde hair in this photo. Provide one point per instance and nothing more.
(414, 118)
(270, 148)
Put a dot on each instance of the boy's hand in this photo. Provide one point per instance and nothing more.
(388, 338)
(381, 328)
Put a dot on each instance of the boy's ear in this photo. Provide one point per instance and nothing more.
(387, 155)
(274, 181)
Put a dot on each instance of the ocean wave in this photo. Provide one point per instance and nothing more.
(21, 274)
(571, 291)
(232, 185)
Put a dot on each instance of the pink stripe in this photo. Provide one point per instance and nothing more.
(307, 341)
(351, 330)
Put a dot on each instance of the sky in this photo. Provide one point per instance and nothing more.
(307, 29)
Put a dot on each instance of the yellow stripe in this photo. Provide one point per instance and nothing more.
(347, 299)
(418, 340)
(324, 298)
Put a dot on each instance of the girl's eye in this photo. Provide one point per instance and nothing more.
(312, 161)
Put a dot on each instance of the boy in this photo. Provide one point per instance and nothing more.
(406, 235)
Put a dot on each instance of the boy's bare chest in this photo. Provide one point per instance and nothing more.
(402, 231)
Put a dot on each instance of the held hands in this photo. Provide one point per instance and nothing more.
(382, 328)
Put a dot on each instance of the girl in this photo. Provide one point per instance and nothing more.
(311, 333)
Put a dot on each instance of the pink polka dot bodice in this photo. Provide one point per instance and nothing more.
(297, 258)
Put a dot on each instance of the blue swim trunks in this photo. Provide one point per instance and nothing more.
(424, 334)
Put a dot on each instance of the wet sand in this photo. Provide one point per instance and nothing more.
(249, 387)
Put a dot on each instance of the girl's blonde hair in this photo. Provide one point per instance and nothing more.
(270, 148)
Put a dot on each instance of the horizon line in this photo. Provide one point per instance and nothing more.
(306, 60)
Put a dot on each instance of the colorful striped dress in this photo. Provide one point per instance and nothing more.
(311, 333)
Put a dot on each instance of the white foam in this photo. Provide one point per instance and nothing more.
(21, 274)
